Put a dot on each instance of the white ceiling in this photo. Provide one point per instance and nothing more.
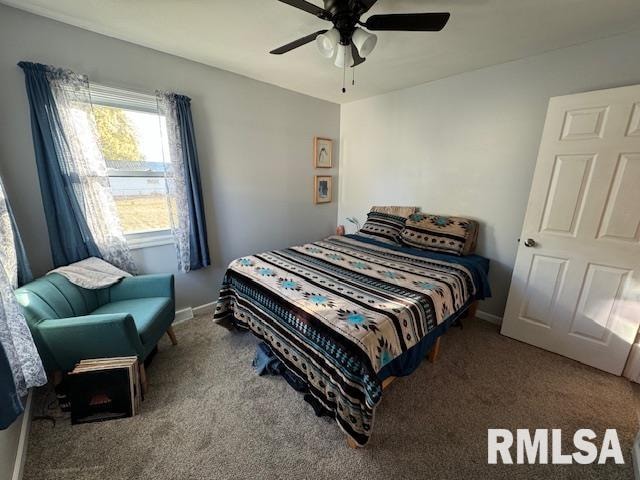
(236, 35)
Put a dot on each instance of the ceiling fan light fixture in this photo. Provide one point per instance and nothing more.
(327, 42)
(343, 56)
(364, 41)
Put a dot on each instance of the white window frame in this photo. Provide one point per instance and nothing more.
(119, 98)
(150, 238)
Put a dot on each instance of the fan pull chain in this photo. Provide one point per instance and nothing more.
(344, 71)
(353, 76)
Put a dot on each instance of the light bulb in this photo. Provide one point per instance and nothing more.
(343, 56)
(326, 42)
(364, 41)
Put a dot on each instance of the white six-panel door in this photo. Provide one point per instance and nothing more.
(576, 282)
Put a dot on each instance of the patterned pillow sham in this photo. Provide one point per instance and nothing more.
(383, 227)
(454, 235)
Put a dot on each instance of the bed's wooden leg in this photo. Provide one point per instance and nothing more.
(386, 382)
(435, 350)
(473, 309)
(351, 443)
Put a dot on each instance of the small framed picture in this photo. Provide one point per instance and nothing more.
(323, 188)
(322, 148)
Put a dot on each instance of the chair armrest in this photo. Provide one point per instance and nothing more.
(143, 286)
(70, 340)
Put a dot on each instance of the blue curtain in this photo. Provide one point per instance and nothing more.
(10, 404)
(198, 245)
(69, 235)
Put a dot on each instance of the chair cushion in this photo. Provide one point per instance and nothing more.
(383, 227)
(454, 235)
(152, 316)
(53, 296)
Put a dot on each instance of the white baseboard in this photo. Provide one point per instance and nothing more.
(183, 315)
(206, 308)
(489, 317)
(23, 440)
(188, 313)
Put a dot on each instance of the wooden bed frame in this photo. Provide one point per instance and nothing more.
(432, 356)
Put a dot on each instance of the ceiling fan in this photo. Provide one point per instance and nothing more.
(346, 41)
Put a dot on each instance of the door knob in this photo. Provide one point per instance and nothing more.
(530, 242)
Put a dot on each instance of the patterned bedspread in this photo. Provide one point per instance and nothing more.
(338, 310)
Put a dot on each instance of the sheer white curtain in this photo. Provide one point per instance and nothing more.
(183, 180)
(82, 162)
(176, 179)
(15, 336)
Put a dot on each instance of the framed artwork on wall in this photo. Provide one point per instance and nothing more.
(322, 188)
(322, 149)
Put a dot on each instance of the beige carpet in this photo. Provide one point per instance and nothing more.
(209, 416)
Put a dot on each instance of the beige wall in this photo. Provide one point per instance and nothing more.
(468, 144)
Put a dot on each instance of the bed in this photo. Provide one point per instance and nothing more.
(347, 314)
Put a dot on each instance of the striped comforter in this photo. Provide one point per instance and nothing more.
(338, 310)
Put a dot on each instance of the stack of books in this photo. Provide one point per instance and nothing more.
(105, 389)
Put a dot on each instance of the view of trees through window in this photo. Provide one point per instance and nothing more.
(117, 136)
(131, 143)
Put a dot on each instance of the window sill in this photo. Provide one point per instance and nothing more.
(149, 239)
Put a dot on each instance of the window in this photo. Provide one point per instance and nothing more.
(132, 137)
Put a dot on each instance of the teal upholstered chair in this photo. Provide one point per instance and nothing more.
(70, 323)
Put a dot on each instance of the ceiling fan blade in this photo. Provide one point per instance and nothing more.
(309, 8)
(363, 6)
(410, 22)
(357, 59)
(297, 43)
